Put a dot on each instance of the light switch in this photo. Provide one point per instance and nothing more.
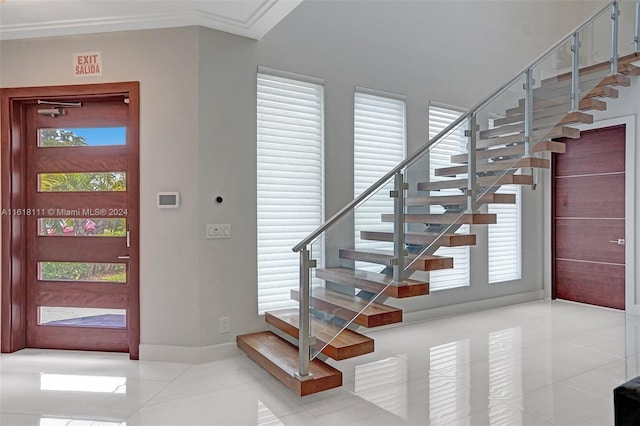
(218, 230)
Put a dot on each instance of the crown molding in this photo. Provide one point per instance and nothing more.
(255, 25)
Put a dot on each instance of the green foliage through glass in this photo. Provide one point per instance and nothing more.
(77, 271)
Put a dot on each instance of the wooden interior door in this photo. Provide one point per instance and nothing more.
(588, 219)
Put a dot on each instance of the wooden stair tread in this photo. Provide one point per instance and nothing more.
(598, 92)
(538, 136)
(624, 66)
(335, 342)
(518, 149)
(280, 359)
(630, 69)
(482, 182)
(547, 122)
(424, 238)
(563, 86)
(516, 115)
(588, 104)
(425, 262)
(373, 282)
(446, 218)
(533, 162)
(460, 200)
(348, 307)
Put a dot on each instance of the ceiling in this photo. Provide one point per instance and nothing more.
(45, 18)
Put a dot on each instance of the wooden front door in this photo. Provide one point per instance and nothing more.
(75, 215)
(589, 219)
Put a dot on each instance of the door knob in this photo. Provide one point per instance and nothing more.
(123, 257)
(619, 241)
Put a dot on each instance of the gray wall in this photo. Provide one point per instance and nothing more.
(198, 134)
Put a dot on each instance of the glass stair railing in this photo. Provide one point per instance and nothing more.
(385, 243)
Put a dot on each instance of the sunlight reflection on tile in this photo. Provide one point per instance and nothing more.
(384, 383)
(505, 376)
(76, 383)
(50, 421)
(266, 416)
(449, 380)
(541, 363)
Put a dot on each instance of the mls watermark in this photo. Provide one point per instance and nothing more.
(84, 212)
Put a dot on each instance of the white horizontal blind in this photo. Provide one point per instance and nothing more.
(290, 140)
(440, 156)
(505, 238)
(379, 144)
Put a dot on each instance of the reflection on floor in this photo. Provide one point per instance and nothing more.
(538, 363)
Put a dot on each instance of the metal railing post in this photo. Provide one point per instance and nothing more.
(528, 112)
(398, 228)
(471, 164)
(615, 12)
(304, 337)
(575, 72)
(636, 34)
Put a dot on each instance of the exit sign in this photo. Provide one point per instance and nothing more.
(87, 64)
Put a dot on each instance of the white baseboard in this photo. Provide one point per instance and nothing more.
(188, 354)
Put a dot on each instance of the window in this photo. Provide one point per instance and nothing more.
(440, 156)
(290, 139)
(379, 144)
(505, 238)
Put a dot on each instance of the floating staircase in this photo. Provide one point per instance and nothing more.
(359, 289)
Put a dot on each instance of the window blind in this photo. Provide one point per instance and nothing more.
(440, 156)
(379, 144)
(505, 238)
(290, 140)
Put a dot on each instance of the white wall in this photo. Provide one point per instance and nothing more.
(165, 62)
(198, 135)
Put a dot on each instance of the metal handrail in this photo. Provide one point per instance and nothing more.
(418, 153)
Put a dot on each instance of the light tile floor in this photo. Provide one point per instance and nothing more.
(539, 363)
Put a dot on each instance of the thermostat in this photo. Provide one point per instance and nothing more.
(168, 200)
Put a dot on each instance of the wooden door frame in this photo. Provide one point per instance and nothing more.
(13, 175)
(632, 291)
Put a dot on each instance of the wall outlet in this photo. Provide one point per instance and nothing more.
(224, 324)
(220, 230)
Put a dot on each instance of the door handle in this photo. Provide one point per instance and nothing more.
(619, 241)
(123, 257)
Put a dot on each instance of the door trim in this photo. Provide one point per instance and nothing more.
(632, 290)
(13, 174)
